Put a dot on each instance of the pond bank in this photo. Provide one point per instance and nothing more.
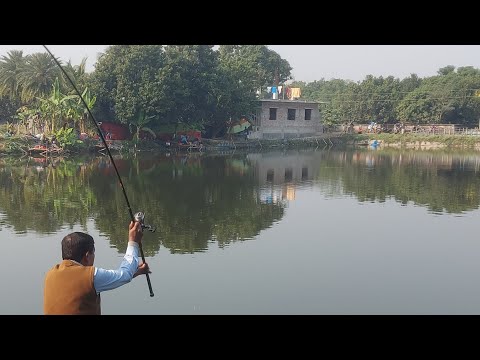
(413, 141)
(23, 146)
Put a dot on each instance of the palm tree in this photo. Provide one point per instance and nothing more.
(77, 74)
(10, 68)
(38, 76)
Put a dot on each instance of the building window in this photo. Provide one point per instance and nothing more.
(291, 114)
(304, 173)
(273, 113)
(288, 174)
(308, 114)
(270, 175)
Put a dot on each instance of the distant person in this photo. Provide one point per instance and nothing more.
(197, 143)
(73, 287)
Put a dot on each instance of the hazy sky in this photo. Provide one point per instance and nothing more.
(314, 62)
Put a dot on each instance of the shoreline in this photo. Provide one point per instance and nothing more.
(21, 146)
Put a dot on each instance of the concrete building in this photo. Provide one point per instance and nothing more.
(286, 119)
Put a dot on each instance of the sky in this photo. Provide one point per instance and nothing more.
(314, 62)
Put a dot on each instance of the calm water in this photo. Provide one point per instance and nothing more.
(288, 232)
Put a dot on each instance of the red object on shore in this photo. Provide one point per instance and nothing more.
(112, 131)
(191, 134)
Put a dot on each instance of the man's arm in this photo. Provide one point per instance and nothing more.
(104, 280)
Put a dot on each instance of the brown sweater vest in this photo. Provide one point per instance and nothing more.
(69, 290)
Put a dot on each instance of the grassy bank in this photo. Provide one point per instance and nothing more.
(415, 140)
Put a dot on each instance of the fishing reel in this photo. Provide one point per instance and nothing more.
(140, 217)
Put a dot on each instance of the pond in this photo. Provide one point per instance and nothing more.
(357, 231)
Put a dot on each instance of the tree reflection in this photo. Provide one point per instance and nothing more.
(200, 200)
(191, 200)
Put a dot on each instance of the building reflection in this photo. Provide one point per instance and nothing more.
(278, 174)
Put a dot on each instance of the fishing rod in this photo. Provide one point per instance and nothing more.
(139, 216)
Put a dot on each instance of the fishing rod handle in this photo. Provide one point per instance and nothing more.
(148, 277)
(140, 217)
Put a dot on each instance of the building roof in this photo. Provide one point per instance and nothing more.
(286, 101)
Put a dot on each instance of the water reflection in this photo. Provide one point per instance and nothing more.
(201, 200)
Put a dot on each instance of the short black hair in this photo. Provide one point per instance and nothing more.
(75, 245)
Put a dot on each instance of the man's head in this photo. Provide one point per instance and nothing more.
(80, 247)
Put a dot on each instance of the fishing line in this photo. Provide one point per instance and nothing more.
(134, 218)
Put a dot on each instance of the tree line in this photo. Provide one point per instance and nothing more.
(171, 86)
(450, 97)
(167, 87)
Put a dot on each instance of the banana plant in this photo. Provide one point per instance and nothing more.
(56, 106)
(77, 111)
(90, 101)
(23, 115)
(139, 123)
(67, 138)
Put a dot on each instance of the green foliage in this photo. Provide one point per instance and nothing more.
(193, 85)
(24, 113)
(26, 82)
(38, 76)
(256, 66)
(126, 80)
(196, 86)
(67, 138)
(138, 123)
(446, 70)
(172, 128)
(446, 98)
(11, 66)
(189, 81)
(57, 107)
(8, 109)
(76, 73)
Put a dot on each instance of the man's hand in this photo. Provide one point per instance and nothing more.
(142, 269)
(135, 232)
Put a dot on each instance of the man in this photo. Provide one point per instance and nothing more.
(73, 287)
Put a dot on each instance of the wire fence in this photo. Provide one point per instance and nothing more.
(433, 129)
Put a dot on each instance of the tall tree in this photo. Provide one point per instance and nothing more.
(126, 81)
(446, 98)
(193, 85)
(188, 80)
(255, 66)
(77, 73)
(10, 67)
(38, 76)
